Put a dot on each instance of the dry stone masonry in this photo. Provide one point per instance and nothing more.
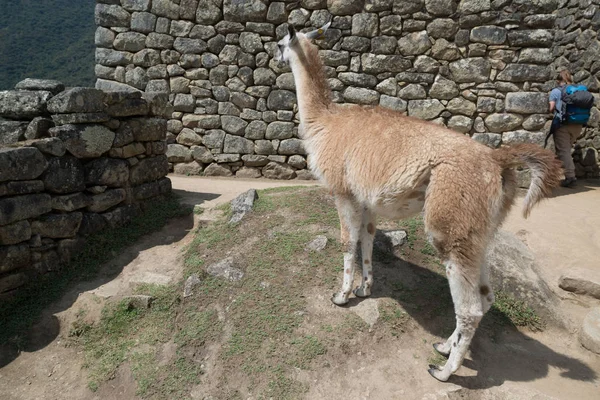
(73, 162)
(480, 67)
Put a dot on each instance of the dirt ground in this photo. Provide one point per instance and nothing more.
(562, 233)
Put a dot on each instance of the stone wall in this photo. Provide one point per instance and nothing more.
(480, 67)
(73, 162)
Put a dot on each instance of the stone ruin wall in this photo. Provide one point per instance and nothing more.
(73, 162)
(480, 67)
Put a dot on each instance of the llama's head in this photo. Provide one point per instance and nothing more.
(292, 42)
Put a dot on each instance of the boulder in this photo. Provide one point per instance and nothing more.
(317, 244)
(489, 139)
(345, 7)
(14, 233)
(38, 128)
(490, 35)
(503, 122)
(64, 175)
(70, 202)
(47, 85)
(425, 109)
(278, 170)
(531, 38)
(414, 43)
(248, 173)
(237, 144)
(21, 163)
(244, 10)
(281, 100)
(12, 131)
(77, 100)
(524, 73)
(242, 205)
(280, 130)
(365, 24)
(21, 187)
(57, 225)
(526, 102)
(111, 15)
(291, 147)
(514, 271)
(107, 172)
(361, 96)
(149, 169)
(476, 69)
(23, 104)
(378, 63)
(85, 141)
(103, 201)
(215, 169)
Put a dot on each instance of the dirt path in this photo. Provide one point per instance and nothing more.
(562, 233)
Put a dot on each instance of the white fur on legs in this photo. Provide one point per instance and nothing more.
(367, 233)
(485, 288)
(468, 309)
(352, 215)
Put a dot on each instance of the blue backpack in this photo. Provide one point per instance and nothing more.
(577, 102)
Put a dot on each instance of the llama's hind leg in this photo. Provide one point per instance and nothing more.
(367, 233)
(352, 215)
(464, 288)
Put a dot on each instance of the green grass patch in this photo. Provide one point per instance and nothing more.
(508, 310)
(21, 312)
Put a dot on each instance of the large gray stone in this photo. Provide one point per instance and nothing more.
(361, 96)
(281, 100)
(77, 100)
(526, 102)
(291, 147)
(215, 169)
(21, 163)
(51, 146)
(38, 128)
(107, 172)
(57, 226)
(234, 125)
(85, 141)
(473, 6)
(238, 145)
(13, 188)
(242, 205)
(70, 202)
(15, 233)
(357, 79)
(103, 201)
(356, 43)
(491, 35)
(18, 208)
(589, 335)
(214, 139)
(130, 41)
(12, 131)
(136, 5)
(251, 43)
(143, 22)
(393, 103)
(536, 56)
(524, 73)
(279, 130)
(444, 89)
(146, 129)
(441, 7)
(178, 153)
(64, 175)
(80, 118)
(531, 38)
(460, 123)
(442, 28)
(391, 25)
(110, 15)
(333, 58)
(503, 122)
(11, 258)
(225, 269)
(378, 63)
(245, 10)
(515, 272)
(471, 70)
(165, 8)
(23, 104)
(149, 169)
(277, 170)
(48, 85)
(201, 154)
(523, 136)
(365, 24)
(414, 43)
(345, 7)
(208, 13)
(425, 109)
(190, 46)
(444, 50)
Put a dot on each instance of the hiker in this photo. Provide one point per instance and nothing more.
(571, 105)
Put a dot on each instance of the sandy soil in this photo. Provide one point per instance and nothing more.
(562, 233)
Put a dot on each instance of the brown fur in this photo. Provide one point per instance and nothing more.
(378, 161)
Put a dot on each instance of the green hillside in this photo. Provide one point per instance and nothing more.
(49, 39)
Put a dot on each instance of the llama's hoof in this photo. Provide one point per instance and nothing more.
(362, 291)
(437, 347)
(339, 299)
(437, 373)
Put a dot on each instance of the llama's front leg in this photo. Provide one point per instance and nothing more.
(344, 234)
(352, 216)
(367, 233)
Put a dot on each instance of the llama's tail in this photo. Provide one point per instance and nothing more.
(546, 170)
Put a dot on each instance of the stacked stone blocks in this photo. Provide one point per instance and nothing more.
(73, 162)
(479, 67)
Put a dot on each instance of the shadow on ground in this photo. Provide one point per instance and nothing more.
(47, 326)
(500, 352)
(582, 185)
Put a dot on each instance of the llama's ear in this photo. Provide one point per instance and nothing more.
(292, 32)
(317, 33)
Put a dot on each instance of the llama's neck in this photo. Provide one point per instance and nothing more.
(312, 89)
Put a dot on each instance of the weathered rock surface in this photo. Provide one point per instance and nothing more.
(21, 163)
(226, 269)
(242, 205)
(317, 244)
(581, 281)
(589, 336)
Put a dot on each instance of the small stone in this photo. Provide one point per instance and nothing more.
(503, 122)
(139, 302)
(190, 283)
(389, 240)
(361, 95)
(48, 85)
(318, 244)
(444, 89)
(412, 91)
(188, 169)
(460, 123)
(248, 173)
(442, 28)
(77, 100)
(425, 109)
(365, 24)
(225, 269)
(242, 205)
(215, 169)
(21, 104)
(393, 103)
(414, 43)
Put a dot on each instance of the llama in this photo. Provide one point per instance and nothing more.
(376, 161)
